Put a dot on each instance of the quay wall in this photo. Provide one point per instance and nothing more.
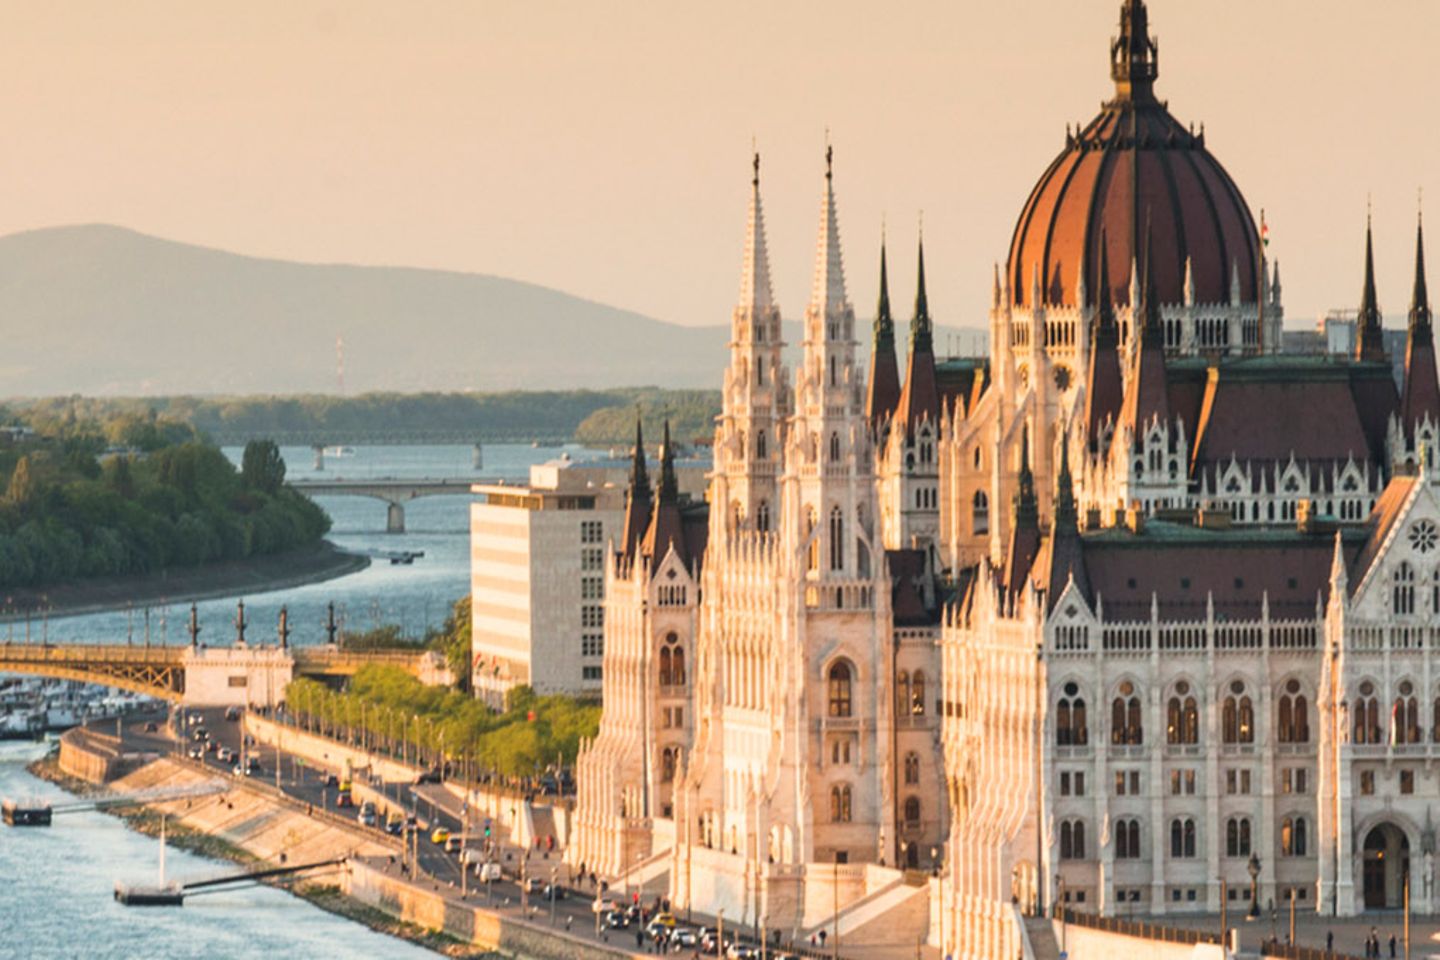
(96, 757)
(1086, 943)
(373, 885)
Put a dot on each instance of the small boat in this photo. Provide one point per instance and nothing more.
(29, 813)
(339, 451)
(162, 894)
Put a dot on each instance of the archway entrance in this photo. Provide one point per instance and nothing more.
(1387, 864)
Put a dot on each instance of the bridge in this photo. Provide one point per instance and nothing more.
(395, 491)
(196, 675)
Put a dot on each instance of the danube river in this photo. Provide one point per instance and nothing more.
(58, 881)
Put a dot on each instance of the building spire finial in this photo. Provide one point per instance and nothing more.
(1369, 332)
(756, 294)
(922, 335)
(1420, 299)
(827, 294)
(1134, 56)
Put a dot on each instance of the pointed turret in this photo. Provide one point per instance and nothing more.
(1062, 557)
(1025, 524)
(920, 399)
(1104, 388)
(1147, 394)
(755, 292)
(884, 368)
(666, 529)
(827, 294)
(1421, 396)
(637, 498)
(1369, 330)
(1134, 57)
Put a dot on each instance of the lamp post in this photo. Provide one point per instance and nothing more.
(1253, 867)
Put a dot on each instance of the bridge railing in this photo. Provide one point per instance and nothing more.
(88, 653)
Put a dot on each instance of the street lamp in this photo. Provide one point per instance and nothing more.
(1253, 867)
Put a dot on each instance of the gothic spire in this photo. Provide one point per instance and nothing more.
(1065, 514)
(827, 294)
(1062, 558)
(1026, 506)
(669, 488)
(922, 336)
(1369, 329)
(1420, 299)
(1134, 56)
(1420, 397)
(755, 292)
(1147, 393)
(1104, 392)
(884, 369)
(637, 498)
(1024, 543)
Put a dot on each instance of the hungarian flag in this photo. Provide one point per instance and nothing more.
(1264, 231)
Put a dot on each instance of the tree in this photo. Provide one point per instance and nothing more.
(23, 484)
(262, 468)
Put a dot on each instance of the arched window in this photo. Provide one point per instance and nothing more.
(1182, 838)
(1072, 840)
(839, 688)
(917, 694)
(1367, 715)
(1125, 724)
(667, 765)
(1405, 715)
(1237, 837)
(902, 693)
(837, 539)
(840, 811)
(1403, 591)
(834, 447)
(1182, 717)
(812, 557)
(912, 768)
(912, 812)
(1127, 840)
(762, 449)
(1070, 729)
(762, 517)
(1294, 714)
(664, 667)
(980, 513)
(1237, 717)
(677, 667)
(1293, 840)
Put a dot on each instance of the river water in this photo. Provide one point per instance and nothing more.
(58, 881)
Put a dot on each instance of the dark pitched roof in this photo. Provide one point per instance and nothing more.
(1369, 325)
(1062, 556)
(963, 379)
(666, 526)
(1024, 527)
(637, 499)
(908, 591)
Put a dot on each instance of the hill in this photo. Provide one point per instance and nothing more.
(101, 310)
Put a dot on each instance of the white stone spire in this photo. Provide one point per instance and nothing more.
(827, 296)
(755, 291)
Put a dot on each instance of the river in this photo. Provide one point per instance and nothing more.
(59, 880)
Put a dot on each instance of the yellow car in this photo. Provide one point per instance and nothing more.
(664, 920)
(439, 836)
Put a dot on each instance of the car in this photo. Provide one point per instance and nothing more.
(439, 836)
(489, 872)
(232, 714)
(614, 920)
(252, 765)
(533, 884)
(344, 800)
(197, 753)
(199, 734)
(599, 905)
(331, 780)
(684, 938)
(394, 826)
(553, 891)
(741, 951)
(152, 727)
(223, 755)
(454, 844)
(367, 819)
(666, 920)
(428, 776)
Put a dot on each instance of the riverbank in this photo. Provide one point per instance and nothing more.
(295, 568)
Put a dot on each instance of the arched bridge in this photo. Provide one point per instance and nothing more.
(199, 675)
(393, 490)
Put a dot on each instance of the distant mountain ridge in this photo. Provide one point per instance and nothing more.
(103, 310)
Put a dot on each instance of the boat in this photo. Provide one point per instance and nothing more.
(28, 813)
(339, 451)
(163, 894)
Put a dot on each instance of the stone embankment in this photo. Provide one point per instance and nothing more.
(255, 820)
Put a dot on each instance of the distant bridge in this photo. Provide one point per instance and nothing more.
(395, 491)
(249, 675)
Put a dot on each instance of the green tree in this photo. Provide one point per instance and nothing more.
(261, 467)
(24, 487)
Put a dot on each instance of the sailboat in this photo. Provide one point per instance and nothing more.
(162, 894)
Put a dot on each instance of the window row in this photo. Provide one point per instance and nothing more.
(1182, 717)
(1239, 834)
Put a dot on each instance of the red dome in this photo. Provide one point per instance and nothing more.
(1132, 164)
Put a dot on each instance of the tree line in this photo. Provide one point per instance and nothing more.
(137, 493)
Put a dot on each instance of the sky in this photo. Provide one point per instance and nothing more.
(604, 148)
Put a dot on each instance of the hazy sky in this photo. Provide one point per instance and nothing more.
(603, 147)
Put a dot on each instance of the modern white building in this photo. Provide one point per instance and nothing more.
(537, 576)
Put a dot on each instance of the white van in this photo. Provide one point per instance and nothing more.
(489, 872)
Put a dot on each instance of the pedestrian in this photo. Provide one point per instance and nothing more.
(1392, 946)
(1329, 941)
